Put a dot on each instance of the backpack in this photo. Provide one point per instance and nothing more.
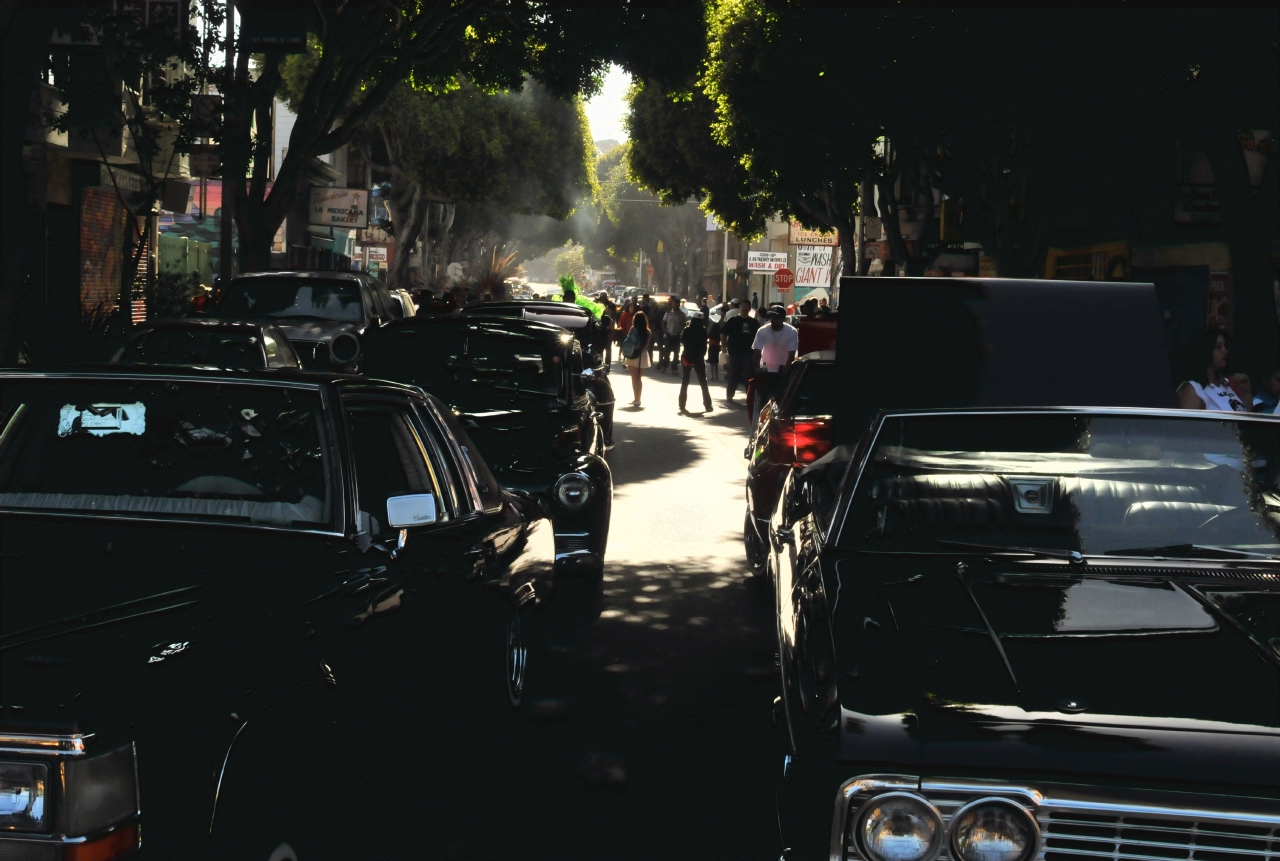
(631, 345)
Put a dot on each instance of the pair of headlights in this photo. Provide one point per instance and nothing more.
(902, 826)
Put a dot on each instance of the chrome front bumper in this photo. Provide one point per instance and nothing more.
(1084, 823)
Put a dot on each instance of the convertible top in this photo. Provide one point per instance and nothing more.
(926, 343)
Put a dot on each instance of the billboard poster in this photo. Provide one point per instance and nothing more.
(339, 207)
(799, 235)
(813, 266)
(766, 261)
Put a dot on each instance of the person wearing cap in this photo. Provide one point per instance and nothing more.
(775, 347)
(735, 307)
(693, 341)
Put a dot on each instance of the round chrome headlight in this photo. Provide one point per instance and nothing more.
(994, 829)
(345, 348)
(899, 826)
(573, 490)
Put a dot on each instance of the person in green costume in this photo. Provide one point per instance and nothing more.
(571, 295)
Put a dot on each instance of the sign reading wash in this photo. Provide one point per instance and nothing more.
(339, 207)
(813, 266)
(766, 261)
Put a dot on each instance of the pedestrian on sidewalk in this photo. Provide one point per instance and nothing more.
(775, 347)
(737, 335)
(635, 352)
(624, 324)
(694, 341)
(672, 325)
(713, 349)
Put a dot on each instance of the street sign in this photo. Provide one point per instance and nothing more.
(205, 160)
(766, 261)
(206, 116)
(730, 264)
(783, 279)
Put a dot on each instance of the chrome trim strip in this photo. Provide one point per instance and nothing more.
(1261, 819)
(1033, 796)
(53, 745)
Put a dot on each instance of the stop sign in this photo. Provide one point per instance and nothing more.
(783, 279)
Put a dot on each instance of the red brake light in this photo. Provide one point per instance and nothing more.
(799, 441)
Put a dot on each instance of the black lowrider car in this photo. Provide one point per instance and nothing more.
(199, 342)
(325, 315)
(1019, 633)
(520, 387)
(593, 338)
(262, 610)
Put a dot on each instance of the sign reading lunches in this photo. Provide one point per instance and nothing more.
(804, 236)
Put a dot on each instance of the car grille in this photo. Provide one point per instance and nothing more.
(1068, 836)
(314, 355)
(570, 542)
(1094, 825)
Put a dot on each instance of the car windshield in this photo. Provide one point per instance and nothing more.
(1093, 484)
(210, 348)
(293, 297)
(172, 450)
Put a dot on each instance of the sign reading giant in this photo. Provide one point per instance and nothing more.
(813, 266)
(766, 261)
(339, 207)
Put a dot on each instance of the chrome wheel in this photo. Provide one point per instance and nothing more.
(517, 658)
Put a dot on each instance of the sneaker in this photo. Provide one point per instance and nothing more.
(635, 403)
(683, 412)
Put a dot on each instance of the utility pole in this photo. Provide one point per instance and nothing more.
(724, 267)
(228, 222)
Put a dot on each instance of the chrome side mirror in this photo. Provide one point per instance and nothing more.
(414, 509)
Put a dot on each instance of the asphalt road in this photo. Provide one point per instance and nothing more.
(650, 737)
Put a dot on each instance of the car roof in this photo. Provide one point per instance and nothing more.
(534, 330)
(306, 274)
(178, 323)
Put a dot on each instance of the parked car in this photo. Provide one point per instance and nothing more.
(323, 314)
(520, 388)
(195, 341)
(590, 334)
(991, 607)
(223, 594)
(794, 430)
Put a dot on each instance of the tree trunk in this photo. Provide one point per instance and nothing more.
(408, 212)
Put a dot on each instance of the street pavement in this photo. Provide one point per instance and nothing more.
(651, 736)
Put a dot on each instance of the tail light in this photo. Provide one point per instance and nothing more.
(799, 442)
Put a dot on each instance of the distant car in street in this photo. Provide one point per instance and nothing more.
(201, 342)
(324, 314)
(794, 430)
(520, 388)
(214, 579)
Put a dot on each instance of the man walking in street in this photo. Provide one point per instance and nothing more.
(737, 335)
(694, 341)
(775, 347)
(672, 325)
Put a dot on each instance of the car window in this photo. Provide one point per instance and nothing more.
(1096, 484)
(167, 450)
(312, 298)
(241, 351)
(475, 470)
(391, 460)
(817, 391)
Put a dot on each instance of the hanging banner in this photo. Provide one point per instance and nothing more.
(339, 207)
(813, 266)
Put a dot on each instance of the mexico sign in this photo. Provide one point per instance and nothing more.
(339, 207)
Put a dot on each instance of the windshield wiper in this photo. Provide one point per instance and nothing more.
(1075, 557)
(1190, 550)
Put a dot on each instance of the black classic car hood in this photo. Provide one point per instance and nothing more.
(1151, 674)
(309, 329)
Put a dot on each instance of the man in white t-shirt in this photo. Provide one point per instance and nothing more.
(775, 347)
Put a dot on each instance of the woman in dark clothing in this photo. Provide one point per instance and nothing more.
(693, 340)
